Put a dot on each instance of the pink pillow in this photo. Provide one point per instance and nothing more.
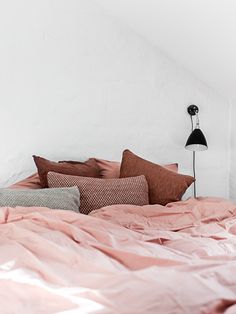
(171, 167)
(31, 182)
(108, 169)
(96, 193)
(111, 169)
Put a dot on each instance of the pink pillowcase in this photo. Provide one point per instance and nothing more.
(31, 182)
(96, 193)
(108, 169)
(111, 169)
(171, 167)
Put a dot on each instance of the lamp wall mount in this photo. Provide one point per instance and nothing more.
(193, 110)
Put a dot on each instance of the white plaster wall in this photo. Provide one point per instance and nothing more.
(77, 83)
(232, 182)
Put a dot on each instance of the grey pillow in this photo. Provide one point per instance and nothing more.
(56, 198)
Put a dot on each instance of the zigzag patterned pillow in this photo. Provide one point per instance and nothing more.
(96, 193)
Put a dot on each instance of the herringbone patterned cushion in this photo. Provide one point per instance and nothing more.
(96, 193)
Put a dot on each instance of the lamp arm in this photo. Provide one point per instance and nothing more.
(191, 122)
(197, 121)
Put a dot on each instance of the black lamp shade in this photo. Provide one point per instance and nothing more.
(196, 141)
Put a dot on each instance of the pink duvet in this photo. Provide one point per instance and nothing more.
(120, 259)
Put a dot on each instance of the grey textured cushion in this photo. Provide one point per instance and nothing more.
(56, 198)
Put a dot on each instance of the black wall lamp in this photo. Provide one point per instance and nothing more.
(196, 141)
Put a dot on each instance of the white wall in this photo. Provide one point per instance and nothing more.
(200, 34)
(232, 181)
(77, 83)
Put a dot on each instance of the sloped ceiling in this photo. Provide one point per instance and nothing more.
(198, 34)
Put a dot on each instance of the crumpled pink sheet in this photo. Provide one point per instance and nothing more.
(180, 258)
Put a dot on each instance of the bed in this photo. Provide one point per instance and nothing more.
(178, 258)
(106, 237)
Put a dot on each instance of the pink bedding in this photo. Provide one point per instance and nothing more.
(31, 182)
(121, 259)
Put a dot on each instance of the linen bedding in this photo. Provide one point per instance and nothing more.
(179, 258)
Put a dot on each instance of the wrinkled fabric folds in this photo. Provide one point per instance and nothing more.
(178, 258)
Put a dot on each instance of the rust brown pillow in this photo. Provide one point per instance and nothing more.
(88, 168)
(165, 186)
